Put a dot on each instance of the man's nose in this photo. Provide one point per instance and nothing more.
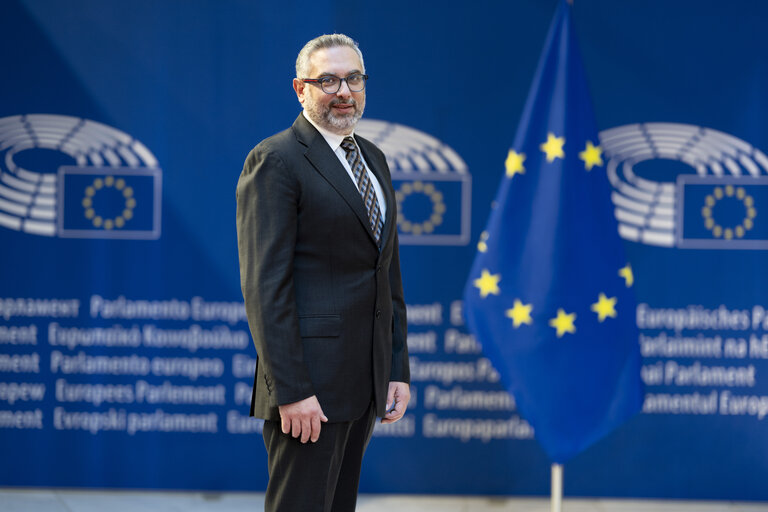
(344, 91)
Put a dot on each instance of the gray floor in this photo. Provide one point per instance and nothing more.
(19, 500)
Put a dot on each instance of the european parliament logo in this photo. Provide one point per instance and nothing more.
(685, 186)
(431, 181)
(76, 178)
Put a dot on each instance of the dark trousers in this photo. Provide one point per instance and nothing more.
(316, 477)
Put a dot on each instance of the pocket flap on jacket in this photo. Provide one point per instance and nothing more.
(319, 326)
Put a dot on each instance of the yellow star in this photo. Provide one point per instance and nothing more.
(592, 155)
(604, 307)
(520, 314)
(482, 246)
(627, 274)
(488, 283)
(563, 323)
(514, 163)
(553, 147)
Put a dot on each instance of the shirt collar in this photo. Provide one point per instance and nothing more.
(333, 139)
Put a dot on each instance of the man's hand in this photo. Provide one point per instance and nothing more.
(302, 419)
(397, 400)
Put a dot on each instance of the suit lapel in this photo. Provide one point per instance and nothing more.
(325, 162)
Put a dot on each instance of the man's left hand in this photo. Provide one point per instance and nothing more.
(397, 401)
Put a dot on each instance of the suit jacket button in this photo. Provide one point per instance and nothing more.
(378, 313)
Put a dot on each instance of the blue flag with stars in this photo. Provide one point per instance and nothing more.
(549, 295)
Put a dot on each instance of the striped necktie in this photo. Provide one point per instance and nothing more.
(364, 186)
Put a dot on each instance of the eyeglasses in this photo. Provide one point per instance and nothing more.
(332, 84)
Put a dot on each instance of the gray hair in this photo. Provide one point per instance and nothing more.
(320, 43)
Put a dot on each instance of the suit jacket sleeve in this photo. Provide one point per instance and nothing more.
(268, 195)
(400, 369)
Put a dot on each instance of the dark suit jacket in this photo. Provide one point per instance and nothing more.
(324, 304)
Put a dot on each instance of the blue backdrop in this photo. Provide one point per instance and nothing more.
(124, 357)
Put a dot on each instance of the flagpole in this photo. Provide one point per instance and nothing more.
(557, 488)
(556, 491)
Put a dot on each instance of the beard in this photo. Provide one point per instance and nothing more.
(323, 114)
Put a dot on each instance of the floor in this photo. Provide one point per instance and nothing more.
(40, 500)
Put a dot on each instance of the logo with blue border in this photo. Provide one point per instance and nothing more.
(63, 176)
(685, 186)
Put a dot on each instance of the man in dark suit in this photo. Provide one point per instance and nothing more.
(320, 273)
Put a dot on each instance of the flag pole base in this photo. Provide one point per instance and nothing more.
(557, 488)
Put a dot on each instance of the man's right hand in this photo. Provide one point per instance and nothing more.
(302, 419)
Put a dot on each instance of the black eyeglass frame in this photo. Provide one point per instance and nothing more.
(319, 81)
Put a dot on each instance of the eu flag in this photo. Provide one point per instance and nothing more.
(722, 212)
(109, 202)
(549, 295)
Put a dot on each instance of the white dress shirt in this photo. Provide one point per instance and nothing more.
(334, 141)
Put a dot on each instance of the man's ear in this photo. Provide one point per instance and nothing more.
(298, 86)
